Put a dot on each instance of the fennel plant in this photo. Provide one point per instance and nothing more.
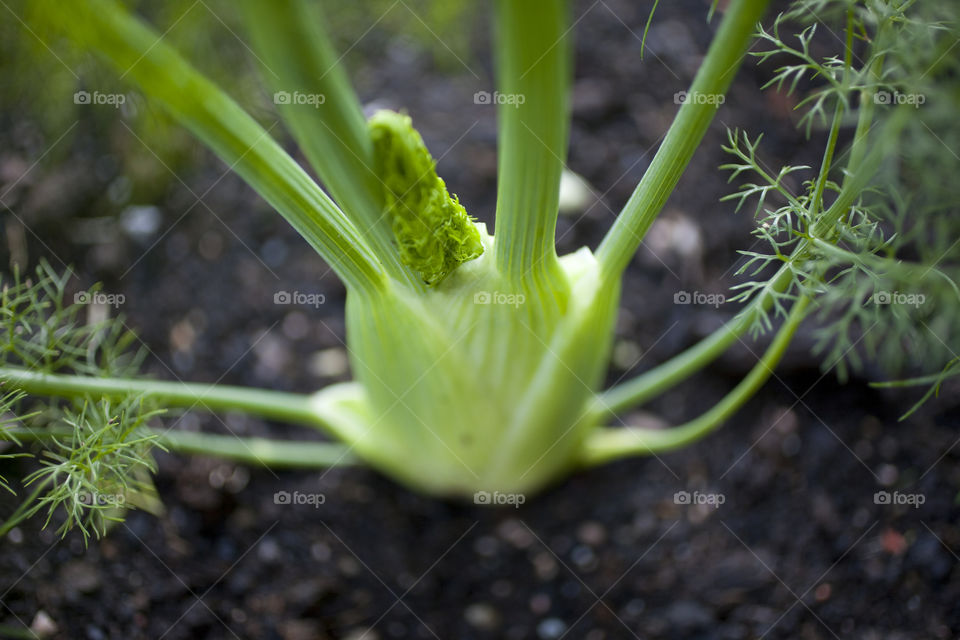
(479, 357)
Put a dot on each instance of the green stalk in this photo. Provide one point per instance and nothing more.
(932, 378)
(684, 136)
(607, 444)
(267, 452)
(140, 52)
(816, 203)
(16, 633)
(533, 78)
(276, 405)
(667, 375)
(324, 115)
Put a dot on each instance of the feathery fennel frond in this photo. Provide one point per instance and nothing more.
(98, 462)
(885, 272)
(93, 453)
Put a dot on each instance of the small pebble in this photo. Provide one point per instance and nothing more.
(634, 608)
(295, 325)
(140, 222)
(94, 633)
(626, 354)
(575, 193)
(551, 628)
(545, 565)
(893, 542)
(540, 603)
(822, 592)
(482, 616)
(329, 363)
(592, 533)
(888, 474)
(274, 252)
(583, 557)
(268, 550)
(515, 533)
(43, 625)
(348, 566)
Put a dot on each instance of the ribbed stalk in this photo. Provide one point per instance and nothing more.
(533, 80)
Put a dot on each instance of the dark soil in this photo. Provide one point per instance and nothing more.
(799, 548)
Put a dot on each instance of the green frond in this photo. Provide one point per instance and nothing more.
(884, 267)
(97, 461)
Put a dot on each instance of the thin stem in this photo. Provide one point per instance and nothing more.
(277, 405)
(816, 202)
(608, 444)
(533, 69)
(267, 452)
(688, 128)
(667, 375)
(922, 380)
(914, 271)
